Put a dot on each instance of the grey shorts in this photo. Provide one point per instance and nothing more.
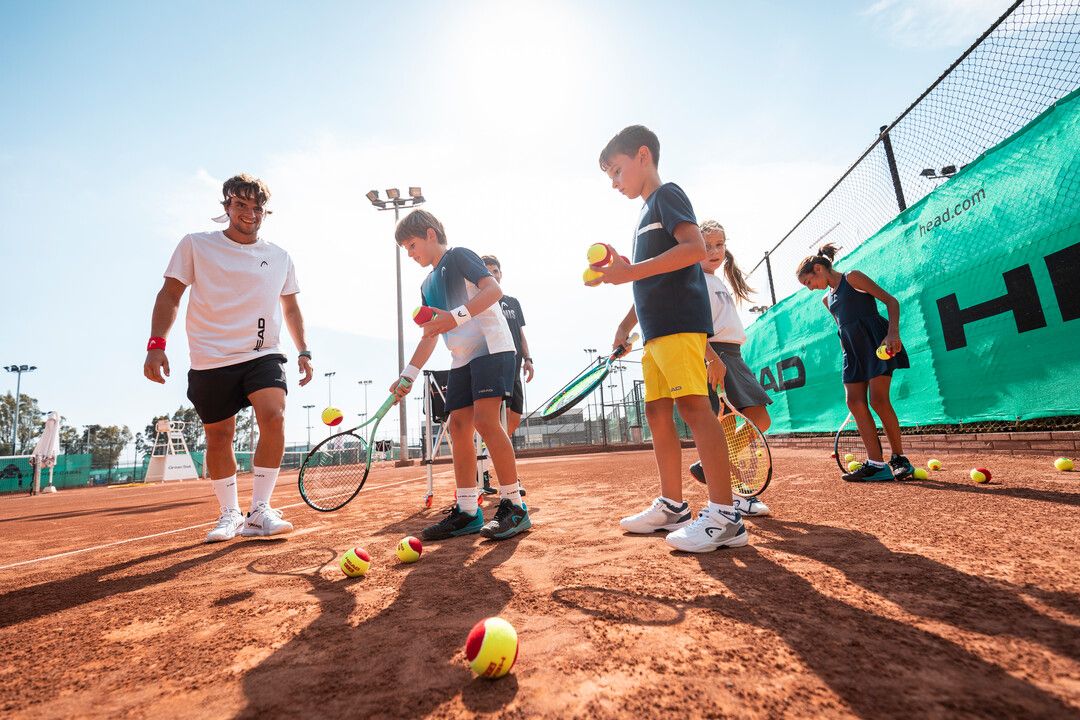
(743, 389)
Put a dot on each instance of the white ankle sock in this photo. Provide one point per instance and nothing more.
(466, 500)
(717, 507)
(511, 492)
(675, 503)
(225, 489)
(263, 485)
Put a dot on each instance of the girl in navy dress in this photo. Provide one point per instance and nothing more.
(852, 299)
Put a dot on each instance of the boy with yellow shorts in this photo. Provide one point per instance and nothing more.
(671, 302)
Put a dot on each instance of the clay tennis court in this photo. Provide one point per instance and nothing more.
(924, 599)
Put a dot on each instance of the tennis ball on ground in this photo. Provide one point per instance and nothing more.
(854, 465)
(1064, 464)
(849, 457)
(980, 475)
(409, 549)
(355, 562)
(598, 254)
(933, 464)
(921, 474)
(332, 416)
(591, 275)
(422, 314)
(492, 648)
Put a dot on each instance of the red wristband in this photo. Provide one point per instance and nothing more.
(156, 343)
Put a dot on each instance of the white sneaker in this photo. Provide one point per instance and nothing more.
(751, 507)
(709, 532)
(227, 525)
(265, 520)
(661, 515)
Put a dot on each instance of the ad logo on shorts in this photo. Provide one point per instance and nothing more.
(261, 334)
(676, 388)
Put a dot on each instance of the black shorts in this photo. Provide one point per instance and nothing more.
(485, 377)
(220, 393)
(517, 400)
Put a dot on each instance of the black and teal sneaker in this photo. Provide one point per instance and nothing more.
(869, 473)
(455, 523)
(486, 488)
(698, 472)
(901, 467)
(510, 519)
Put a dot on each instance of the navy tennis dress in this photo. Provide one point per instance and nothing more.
(861, 330)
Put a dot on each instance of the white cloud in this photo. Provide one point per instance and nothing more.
(934, 23)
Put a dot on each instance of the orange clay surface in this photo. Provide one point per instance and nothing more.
(936, 598)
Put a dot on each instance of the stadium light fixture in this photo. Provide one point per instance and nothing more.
(393, 193)
(414, 192)
(18, 370)
(373, 197)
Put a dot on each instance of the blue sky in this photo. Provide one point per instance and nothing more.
(122, 119)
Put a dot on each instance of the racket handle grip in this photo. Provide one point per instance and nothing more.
(623, 349)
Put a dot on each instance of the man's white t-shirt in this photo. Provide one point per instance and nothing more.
(727, 327)
(234, 311)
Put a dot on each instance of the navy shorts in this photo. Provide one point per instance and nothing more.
(220, 393)
(517, 398)
(484, 377)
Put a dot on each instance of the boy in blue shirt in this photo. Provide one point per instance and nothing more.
(465, 299)
(671, 301)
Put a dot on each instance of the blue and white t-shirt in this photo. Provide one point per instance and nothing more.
(453, 282)
(677, 301)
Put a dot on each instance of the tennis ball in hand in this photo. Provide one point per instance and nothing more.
(355, 562)
(599, 254)
(422, 314)
(921, 474)
(854, 465)
(933, 464)
(409, 549)
(591, 275)
(1063, 464)
(883, 352)
(492, 648)
(849, 457)
(332, 416)
(980, 475)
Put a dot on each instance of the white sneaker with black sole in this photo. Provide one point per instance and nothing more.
(227, 525)
(751, 507)
(661, 515)
(265, 520)
(710, 531)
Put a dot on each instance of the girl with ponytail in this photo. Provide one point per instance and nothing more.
(852, 299)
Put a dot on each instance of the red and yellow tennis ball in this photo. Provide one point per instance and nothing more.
(599, 254)
(883, 352)
(589, 275)
(1063, 464)
(854, 465)
(933, 464)
(492, 648)
(409, 549)
(332, 416)
(355, 562)
(980, 475)
(921, 474)
(422, 314)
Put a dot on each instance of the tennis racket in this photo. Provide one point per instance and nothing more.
(335, 469)
(586, 381)
(748, 452)
(847, 443)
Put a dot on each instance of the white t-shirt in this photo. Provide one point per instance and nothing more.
(234, 312)
(727, 327)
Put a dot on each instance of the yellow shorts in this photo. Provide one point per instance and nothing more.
(674, 366)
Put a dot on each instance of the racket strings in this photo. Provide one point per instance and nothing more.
(333, 472)
(575, 390)
(747, 455)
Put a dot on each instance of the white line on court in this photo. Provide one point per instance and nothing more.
(173, 532)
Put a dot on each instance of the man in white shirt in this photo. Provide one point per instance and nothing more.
(241, 287)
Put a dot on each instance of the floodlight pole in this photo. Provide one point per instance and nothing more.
(365, 383)
(308, 408)
(18, 370)
(396, 203)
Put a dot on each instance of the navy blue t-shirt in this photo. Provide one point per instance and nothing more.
(515, 318)
(678, 301)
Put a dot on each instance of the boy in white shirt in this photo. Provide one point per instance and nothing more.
(241, 287)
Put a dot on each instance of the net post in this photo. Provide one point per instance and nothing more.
(768, 272)
(891, 159)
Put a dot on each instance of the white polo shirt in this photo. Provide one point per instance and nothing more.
(234, 311)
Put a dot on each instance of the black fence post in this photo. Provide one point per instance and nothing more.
(768, 270)
(891, 159)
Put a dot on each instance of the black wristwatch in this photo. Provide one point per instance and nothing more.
(305, 353)
(528, 359)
